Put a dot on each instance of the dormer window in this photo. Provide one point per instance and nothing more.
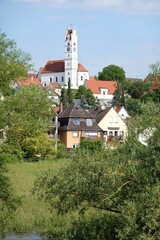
(89, 122)
(76, 121)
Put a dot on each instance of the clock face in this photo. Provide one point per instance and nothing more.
(68, 49)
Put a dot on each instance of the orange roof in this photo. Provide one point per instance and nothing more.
(53, 66)
(81, 68)
(29, 81)
(58, 66)
(55, 85)
(91, 78)
(95, 86)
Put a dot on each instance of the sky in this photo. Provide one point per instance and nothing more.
(125, 33)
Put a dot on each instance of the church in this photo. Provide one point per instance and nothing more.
(61, 71)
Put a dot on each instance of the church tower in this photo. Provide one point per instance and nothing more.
(71, 57)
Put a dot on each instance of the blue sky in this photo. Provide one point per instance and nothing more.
(121, 32)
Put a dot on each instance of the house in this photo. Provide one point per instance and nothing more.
(111, 123)
(61, 71)
(56, 87)
(30, 80)
(76, 124)
(102, 90)
(122, 112)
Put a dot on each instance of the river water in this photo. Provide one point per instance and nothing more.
(23, 237)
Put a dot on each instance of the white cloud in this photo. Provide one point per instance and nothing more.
(128, 6)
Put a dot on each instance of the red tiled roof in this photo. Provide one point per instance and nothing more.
(53, 66)
(29, 81)
(58, 66)
(56, 85)
(91, 78)
(95, 86)
(81, 68)
(118, 108)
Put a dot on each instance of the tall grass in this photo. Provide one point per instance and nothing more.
(33, 214)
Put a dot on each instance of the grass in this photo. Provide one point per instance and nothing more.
(33, 214)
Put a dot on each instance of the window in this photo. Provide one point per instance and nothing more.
(89, 122)
(81, 78)
(68, 44)
(68, 64)
(91, 134)
(121, 133)
(105, 133)
(62, 79)
(68, 73)
(104, 93)
(76, 121)
(75, 134)
(110, 133)
(75, 145)
(56, 79)
(116, 119)
(110, 119)
(50, 79)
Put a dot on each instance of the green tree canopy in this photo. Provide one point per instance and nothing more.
(86, 96)
(137, 89)
(28, 113)
(13, 61)
(122, 185)
(112, 73)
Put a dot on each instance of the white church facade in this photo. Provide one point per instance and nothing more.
(61, 71)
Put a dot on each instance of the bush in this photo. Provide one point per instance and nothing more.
(61, 151)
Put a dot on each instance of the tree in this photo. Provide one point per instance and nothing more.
(63, 97)
(138, 89)
(133, 106)
(14, 63)
(122, 185)
(86, 96)
(69, 92)
(112, 73)
(26, 114)
(155, 68)
(118, 98)
(154, 74)
(8, 201)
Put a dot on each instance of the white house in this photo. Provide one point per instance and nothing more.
(102, 90)
(111, 123)
(122, 112)
(61, 71)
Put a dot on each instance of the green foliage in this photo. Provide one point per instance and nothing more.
(86, 96)
(69, 93)
(61, 151)
(63, 96)
(25, 114)
(137, 89)
(91, 146)
(39, 147)
(119, 99)
(14, 63)
(123, 183)
(133, 106)
(155, 68)
(152, 95)
(8, 201)
(112, 73)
